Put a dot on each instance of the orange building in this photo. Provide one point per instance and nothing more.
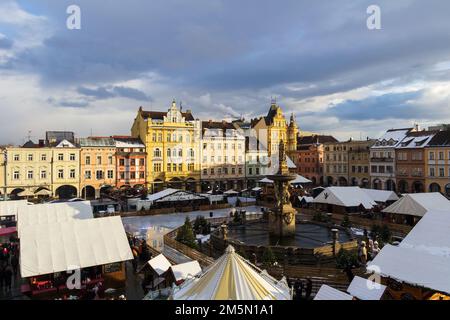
(130, 161)
(309, 156)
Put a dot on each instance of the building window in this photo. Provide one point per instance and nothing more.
(99, 159)
(72, 174)
(16, 157)
(88, 160)
(99, 174)
(141, 175)
(110, 159)
(174, 167)
(250, 171)
(43, 174)
(431, 156)
(110, 174)
(441, 155)
(157, 167)
(441, 172)
(30, 174)
(141, 162)
(60, 157)
(169, 167)
(60, 174)
(121, 162)
(432, 173)
(30, 157)
(240, 170)
(87, 174)
(133, 162)
(169, 154)
(180, 167)
(157, 153)
(205, 172)
(133, 175)
(43, 157)
(257, 171)
(16, 175)
(190, 167)
(72, 157)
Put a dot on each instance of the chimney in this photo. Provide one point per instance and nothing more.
(41, 143)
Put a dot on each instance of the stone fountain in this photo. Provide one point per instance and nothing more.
(282, 216)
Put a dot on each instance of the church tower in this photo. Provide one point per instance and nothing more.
(292, 133)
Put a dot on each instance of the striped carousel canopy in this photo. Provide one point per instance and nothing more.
(231, 277)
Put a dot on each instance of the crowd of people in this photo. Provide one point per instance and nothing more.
(9, 265)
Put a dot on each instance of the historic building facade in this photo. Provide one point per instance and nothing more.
(358, 163)
(172, 140)
(437, 163)
(382, 159)
(222, 157)
(410, 161)
(335, 164)
(131, 159)
(97, 165)
(308, 157)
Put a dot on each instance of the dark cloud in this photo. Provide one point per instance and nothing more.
(68, 103)
(101, 93)
(131, 93)
(98, 93)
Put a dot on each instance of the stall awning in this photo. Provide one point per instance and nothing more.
(365, 289)
(186, 270)
(329, 293)
(74, 244)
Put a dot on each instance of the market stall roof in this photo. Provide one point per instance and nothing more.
(417, 204)
(40, 214)
(256, 189)
(231, 191)
(73, 244)
(290, 163)
(365, 289)
(412, 266)
(161, 194)
(26, 193)
(159, 264)
(300, 180)
(10, 207)
(181, 195)
(186, 270)
(43, 192)
(329, 293)
(232, 278)
(7, 231)
(381, 195)
(431, 234)
(345, 197)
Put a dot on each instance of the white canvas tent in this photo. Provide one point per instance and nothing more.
(418, 204)
(298, 180)
(186, 270)
(345, 197)
(232, 278)
(329, 293)
(73, 244)
(11, 208)
(40, 214)
(365, 289)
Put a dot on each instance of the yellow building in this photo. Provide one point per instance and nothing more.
(437, 164)
(273, 128)
(97, 165)
(172, 140)
(65, 169)
(29, 170)
(2, 173)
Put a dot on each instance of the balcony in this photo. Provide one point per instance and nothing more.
(381, 159)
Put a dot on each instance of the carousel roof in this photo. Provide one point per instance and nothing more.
(232, 278)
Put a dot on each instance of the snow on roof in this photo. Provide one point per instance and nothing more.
(161, 194)
(10, 208)
(345, 197)
(328, 293)
(73, 244)
(416, 140)
(160, 264)
(185, 270)
(231, 191)
(290, 163)
(391, 138)
(41, 214)
(365, 289)
(181, 196)
(431, 234)
(300, 179)
(413, 266)
(417, 204)
(381, 195)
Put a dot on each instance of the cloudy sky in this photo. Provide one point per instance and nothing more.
(223, 59)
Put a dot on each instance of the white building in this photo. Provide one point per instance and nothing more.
(382, 159)
(222, 157)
